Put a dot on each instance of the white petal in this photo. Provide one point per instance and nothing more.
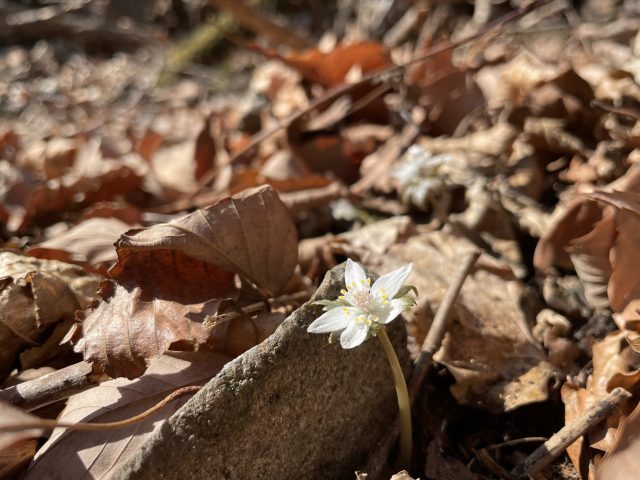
(354, 273)
(392, 310)
(391, 282)
(334, 319)
(354, 335)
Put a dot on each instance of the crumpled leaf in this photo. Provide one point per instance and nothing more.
(34, 296)
(608, 364)
(89, 244)
(624, 284)
(75, 454)
(623, 460)
(170, 277)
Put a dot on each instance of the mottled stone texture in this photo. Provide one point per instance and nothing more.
(293, 407)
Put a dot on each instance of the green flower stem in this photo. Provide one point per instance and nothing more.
(403, 401)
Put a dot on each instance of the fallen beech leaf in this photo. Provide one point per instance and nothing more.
(329, 69)
(89, 244)
(11, 415)
(170, 277)
(250, 234)
(37, 294)
(75, 454)
(122, 211)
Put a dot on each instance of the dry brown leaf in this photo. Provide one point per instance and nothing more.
(37, 294)
(75, 454)
(172, 276)
(622, 462)
(624, 285)
(330, 69)
(89, 244)
(590, 257)
(250, 234)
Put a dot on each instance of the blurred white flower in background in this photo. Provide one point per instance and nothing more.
(343, 210)
(418, 176)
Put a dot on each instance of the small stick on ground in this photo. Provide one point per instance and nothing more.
(378, 458)
(436, 333)
(55, 386)
(557, 444)
(490, 464)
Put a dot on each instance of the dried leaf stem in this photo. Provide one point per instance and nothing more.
(42, 423)
(378, 457)
(404, 405)
(558, 443)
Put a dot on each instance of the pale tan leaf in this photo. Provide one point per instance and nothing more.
(75, 454)
(89, 244)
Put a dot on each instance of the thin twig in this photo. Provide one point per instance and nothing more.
(436, 333)
(92, 427)
(516, 441)
(378, 457)
(558, 443)
(55, 386)
(490, 464)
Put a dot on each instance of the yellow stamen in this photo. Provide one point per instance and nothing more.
(354, 284)
(382, 290)
(368, 280)
(375, 318)
(361, 281)
(385, 302)
(368, 322)
(341, 297)
(344, 309)
(343, 291)
(348, 313)
(384, 296)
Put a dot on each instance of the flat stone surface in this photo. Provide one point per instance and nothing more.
(293, 407)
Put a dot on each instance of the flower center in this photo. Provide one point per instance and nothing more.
(361, 299)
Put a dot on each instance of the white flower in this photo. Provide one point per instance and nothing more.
(365, 307)
(419, 163)
(343, 209)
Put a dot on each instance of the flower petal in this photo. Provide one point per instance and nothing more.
(391, 282)
(354, 335)
(354, 273)
(394, 308)
(334, 319)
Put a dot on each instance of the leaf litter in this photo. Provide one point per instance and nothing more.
(185, 206)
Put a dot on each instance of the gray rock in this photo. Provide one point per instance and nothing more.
(293, 407)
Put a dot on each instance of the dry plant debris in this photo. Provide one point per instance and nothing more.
(172, 187)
